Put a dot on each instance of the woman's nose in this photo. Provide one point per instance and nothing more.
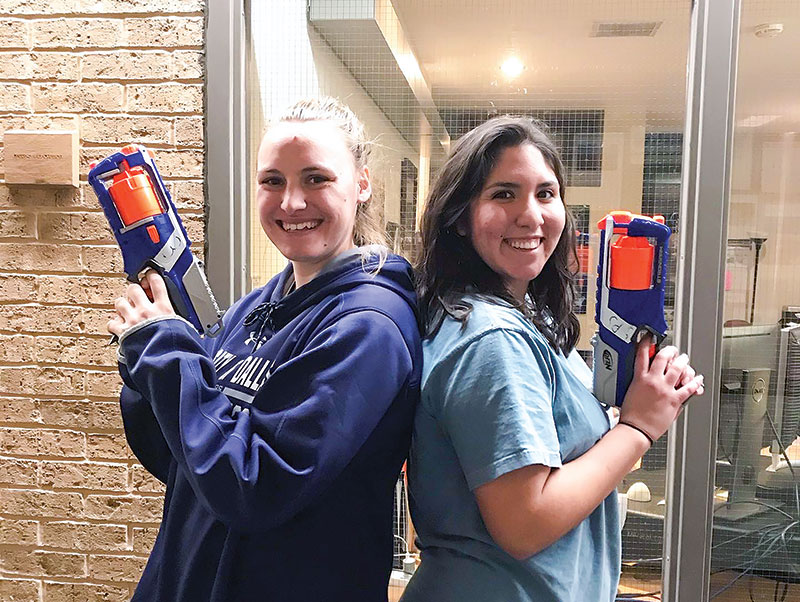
(293, 200)
(530, 213)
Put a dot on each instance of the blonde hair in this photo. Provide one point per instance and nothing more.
(367, 231)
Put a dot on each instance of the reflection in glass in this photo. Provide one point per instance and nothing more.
(756, 522)
(607, 77)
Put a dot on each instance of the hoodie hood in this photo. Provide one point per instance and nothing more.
(276, 309)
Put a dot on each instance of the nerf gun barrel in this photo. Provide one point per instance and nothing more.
(631, 276)
(151, 235)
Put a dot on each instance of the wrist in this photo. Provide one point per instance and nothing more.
(146, 322)
(642, 432)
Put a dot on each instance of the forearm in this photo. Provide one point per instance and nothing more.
(593, 476)
(539, 505)
(144, 435)
(530, 508)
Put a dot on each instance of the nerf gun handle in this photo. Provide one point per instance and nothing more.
(189, 292)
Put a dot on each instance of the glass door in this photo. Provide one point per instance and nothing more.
(608, 77)
(755, 552)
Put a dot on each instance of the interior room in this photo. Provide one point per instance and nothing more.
(609, 79)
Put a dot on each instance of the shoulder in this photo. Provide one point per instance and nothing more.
(494, 332)
(493, 313)
(489, 318)
(390, 292)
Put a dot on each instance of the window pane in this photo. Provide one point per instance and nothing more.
(756, 539)
(608, 77)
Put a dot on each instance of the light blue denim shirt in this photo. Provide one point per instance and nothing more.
(496, 397)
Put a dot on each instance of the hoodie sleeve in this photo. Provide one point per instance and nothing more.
(143, 433)
(258, 468)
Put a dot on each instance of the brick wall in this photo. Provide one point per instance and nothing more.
(78, 514)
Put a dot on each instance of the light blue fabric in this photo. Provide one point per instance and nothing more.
(496, 397)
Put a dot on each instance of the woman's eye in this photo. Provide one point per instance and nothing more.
(547, 194)
(272, 182)
(317, 179)
(503, 194)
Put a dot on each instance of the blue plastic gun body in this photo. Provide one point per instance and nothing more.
(631, 278)
(150, 234)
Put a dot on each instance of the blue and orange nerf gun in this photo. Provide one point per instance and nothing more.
(150, 234)
(631, 277)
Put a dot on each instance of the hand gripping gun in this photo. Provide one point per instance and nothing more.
(150, 234)
(630, 297)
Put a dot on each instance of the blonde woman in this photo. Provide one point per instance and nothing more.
(280, 440)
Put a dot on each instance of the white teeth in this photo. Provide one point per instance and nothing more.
(525, 244)
(300, 226)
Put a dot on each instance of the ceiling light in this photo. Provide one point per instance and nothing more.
(512, 67)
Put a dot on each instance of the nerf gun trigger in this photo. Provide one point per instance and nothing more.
(655, 343)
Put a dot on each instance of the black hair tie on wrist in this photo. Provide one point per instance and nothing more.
(642, 431)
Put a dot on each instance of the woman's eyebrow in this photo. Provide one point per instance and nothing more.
(503, 185)
(263, 172)
(547, 184)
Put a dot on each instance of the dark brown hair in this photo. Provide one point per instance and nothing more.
(449, 267)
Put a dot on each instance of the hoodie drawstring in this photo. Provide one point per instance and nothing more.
(262, 316)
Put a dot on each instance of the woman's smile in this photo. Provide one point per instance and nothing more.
(523, 244)
(299, 227)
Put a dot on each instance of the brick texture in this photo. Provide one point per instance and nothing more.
(84, 592)
(15, 532)
(13, 33)
(19, 590)
(78, 512)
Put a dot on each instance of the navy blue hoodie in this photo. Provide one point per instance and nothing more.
(280, 440)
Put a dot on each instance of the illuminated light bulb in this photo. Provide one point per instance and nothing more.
(512, 67)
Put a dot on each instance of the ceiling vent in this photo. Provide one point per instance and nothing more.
(615, 29)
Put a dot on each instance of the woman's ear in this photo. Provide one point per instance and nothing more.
(462, 225)
(364, 185)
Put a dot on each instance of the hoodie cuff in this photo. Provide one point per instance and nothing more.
(137, 327)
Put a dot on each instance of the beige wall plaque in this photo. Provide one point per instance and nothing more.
(41, 157)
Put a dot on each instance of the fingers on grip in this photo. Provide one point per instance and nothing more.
(687, 376)
(157, 286)
(123, 308)
(136, 295)
(676, 369)
(693, 387)
(642, 360)
(115, 325)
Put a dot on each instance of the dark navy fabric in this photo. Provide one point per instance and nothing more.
(280, 440)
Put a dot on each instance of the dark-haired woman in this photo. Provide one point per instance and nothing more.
(514, 463)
